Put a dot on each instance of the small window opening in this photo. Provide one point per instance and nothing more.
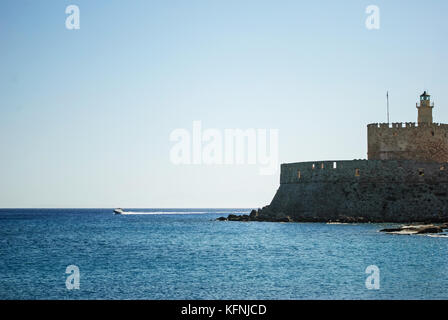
(322, 166)
(357, 173)
(421, 172)
(432, 133)
(298, 174)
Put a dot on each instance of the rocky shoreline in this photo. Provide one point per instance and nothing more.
(416, 228)
(267, 215)
(256, 216)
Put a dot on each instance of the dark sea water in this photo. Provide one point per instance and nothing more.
(188, 255)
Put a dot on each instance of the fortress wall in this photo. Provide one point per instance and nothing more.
(363, 171)
(422, 142)
(384, 191)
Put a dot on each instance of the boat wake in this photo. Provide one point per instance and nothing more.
(159, 212)
(176, 212)
(438, 235)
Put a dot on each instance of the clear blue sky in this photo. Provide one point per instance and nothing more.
(85, 115)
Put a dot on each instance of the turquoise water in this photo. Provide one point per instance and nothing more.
(188, 255)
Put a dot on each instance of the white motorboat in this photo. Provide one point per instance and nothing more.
(118, 211)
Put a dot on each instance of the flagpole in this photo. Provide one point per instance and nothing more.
(387, 95)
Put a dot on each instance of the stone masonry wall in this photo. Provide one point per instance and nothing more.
(361, 190)
(422, 141)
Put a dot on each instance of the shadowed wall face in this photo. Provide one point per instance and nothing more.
(361, 191)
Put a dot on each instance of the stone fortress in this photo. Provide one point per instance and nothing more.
(405, 179)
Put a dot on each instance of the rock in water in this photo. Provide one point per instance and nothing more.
(253, 214)
(233, 217)
(430, 229)
(414, 229)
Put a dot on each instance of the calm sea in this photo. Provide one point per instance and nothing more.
(185, 254)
